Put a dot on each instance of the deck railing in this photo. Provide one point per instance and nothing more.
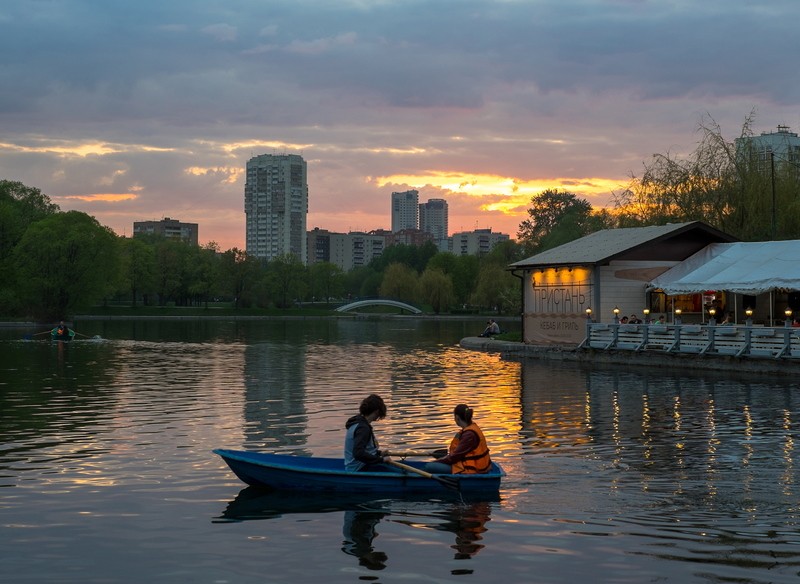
(737, 340)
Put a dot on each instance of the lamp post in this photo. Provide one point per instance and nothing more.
(713, 312)
(646, 313)
(678, 316)
(616, 315)
(788, 313)
(749, 313)
(589, 314)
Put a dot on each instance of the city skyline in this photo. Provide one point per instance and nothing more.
(136, 112)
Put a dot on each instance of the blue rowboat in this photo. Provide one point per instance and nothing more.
(304, 473)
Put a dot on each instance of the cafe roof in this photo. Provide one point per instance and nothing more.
(674, 241)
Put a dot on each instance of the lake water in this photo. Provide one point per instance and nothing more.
(614, 475)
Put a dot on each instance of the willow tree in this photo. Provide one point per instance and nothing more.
(724, 183)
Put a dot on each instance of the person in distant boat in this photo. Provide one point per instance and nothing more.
(492, 328)
(361, 452)
(62, 331)
(468, 452)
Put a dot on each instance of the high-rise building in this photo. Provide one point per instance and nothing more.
(433, 220)
(405, 210)
(168, 228)
(771, 149)
(276, 206)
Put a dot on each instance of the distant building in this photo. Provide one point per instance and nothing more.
(168, 228)
(276, 206)
(478, 242)
(781, 147)
(346, 250)
(408, 237)
(433, 220)
(405, 210)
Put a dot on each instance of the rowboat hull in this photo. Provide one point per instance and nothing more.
(312, 474)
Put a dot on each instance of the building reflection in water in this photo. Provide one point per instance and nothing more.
(274, 405)
(711, 435)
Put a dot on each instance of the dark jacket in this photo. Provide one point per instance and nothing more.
(360, 442)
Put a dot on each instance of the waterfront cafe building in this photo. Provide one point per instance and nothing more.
(608, 270)
(688, 273)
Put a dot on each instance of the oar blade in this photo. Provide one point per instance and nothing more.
(449, 482)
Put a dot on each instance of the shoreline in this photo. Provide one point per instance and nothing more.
(725, 365)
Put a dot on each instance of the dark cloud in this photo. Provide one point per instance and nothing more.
(574, 89)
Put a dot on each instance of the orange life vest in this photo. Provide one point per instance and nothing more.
(477, 460)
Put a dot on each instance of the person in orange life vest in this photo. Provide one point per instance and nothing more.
(468, 452)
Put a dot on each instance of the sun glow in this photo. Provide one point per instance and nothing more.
(102, 197)
(508, 195)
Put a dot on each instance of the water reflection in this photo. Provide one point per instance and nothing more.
(466, 520)
(359, 532)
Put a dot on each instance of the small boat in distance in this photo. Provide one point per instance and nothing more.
(308, 473)
(65, 335)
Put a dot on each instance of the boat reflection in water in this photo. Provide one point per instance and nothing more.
(465, 519)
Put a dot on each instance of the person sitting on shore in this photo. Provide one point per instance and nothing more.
(492, 328)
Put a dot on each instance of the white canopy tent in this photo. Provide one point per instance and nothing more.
(750, 268)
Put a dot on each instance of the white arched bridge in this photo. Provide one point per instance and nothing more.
(378, 302)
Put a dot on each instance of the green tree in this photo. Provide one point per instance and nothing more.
(204, 272)
(497, 289)
(326, 280)
(20, 206)
(554, 218)
(285, 280)
(137, 267)
(239, 273)
(65, 261)
(436, 289)
(170, 270)
(399, 283)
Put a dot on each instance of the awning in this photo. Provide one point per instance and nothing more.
(743, 268)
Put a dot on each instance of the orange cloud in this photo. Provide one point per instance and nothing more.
(102, 197)
(516, 193)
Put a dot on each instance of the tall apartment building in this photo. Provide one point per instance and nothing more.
(478, 242)
(168, 228)
(405, 210)
(276, 206)
(433, 220)
(781, 147)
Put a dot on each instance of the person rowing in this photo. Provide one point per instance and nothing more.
(62, 332)
(361, 452)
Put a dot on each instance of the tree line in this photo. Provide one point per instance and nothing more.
(55, 263)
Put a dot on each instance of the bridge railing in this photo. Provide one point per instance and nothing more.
(736, 340)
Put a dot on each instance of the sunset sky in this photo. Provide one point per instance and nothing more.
(135, 111)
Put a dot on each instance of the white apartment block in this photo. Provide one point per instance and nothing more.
(478, 242)
(346, 250)
(405, 210)
(433, 220)
(276, 206)
(781, 147)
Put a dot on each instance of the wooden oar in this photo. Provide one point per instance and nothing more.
(405, 453)
(29, 336)
(448, 481)
(438, 453)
